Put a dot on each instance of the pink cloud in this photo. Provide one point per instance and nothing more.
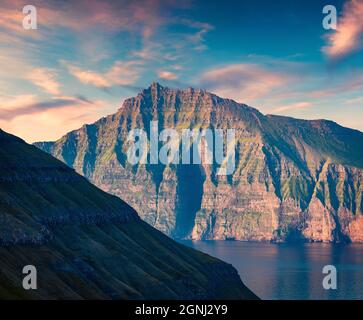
(29, 104)
(13, 103)
(124, 73)
(244, 82)
(142, 15)
(34, 119)
(45, 79)
(88, 77)
(347, 38)
(11, 19)
(121, 73)
(293, 106)
(167, 75)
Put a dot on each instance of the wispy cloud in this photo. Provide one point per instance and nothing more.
(168, 46)
(34, 119)
(347, 84)
(198, 37)
(84, 15)
(120, 73)
(244, 82)
(88, 76)
(25, 105)
(167, 75)
(293, 106)
(348, 36)
(151, 34)
(124, 73)
(355, 101)
(10, 103)
(45, 79)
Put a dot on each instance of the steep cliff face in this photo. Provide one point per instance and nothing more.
(293, 179)
(87, 244)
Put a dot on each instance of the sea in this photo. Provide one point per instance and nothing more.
(293, 271)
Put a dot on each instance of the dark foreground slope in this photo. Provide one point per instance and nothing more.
(87, 244)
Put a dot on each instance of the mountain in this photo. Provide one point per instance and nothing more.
(295, 180)
(87, 244)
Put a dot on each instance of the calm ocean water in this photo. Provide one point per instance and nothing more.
(291, 271)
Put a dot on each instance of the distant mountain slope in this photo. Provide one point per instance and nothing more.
(87, 244)
(294, 179)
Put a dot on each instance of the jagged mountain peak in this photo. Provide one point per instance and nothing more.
(292, 177)
(156, 90)
(157, 100)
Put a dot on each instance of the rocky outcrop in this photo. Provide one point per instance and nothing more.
(295, 180)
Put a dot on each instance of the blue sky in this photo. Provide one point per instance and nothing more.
(86, 57)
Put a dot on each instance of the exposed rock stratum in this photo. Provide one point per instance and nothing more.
(294, 179)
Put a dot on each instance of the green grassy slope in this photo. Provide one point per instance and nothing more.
(326, 138)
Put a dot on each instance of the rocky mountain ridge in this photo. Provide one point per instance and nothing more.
(295, 180)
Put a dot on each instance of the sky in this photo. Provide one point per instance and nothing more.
(86, 57)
